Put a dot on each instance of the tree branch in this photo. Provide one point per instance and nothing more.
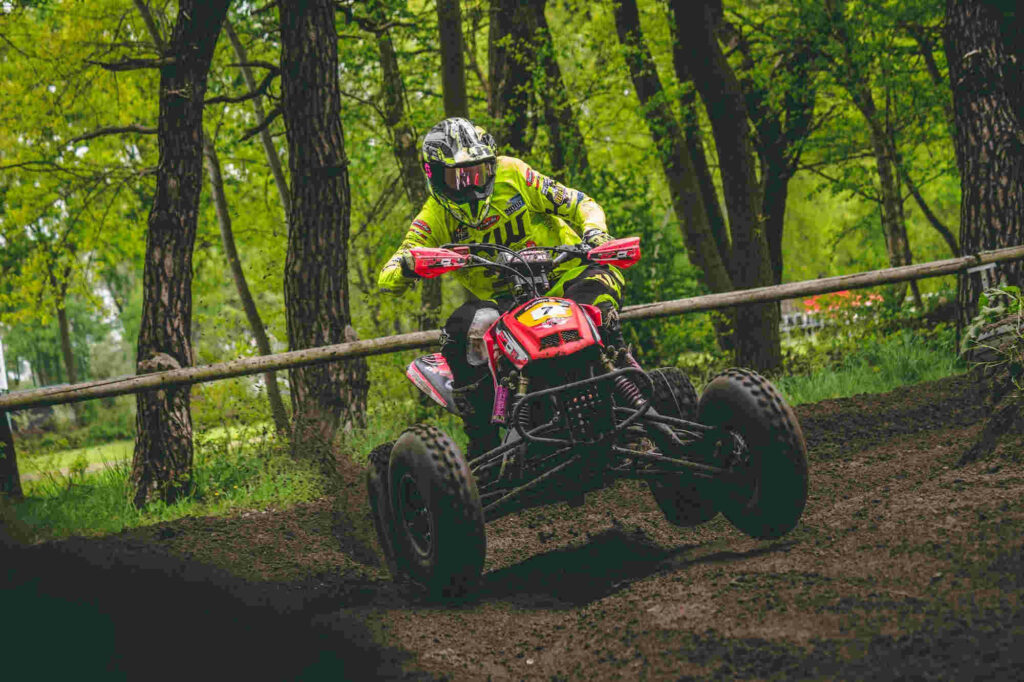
(252, 132)
(113, 130)
(259, 91)
(135, 64)
(257, 63)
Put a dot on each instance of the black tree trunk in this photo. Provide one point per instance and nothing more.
(316, 267)
(453, 61)
(162, 463)
(510, 57)
(757, 326)
(985, 58)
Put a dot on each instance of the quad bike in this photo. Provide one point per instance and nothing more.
(577, 415)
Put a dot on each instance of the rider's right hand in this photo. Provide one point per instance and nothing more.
(408, 265)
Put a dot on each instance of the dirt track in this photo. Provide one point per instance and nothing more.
(903, 566)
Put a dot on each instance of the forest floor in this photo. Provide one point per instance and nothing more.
(903, 566)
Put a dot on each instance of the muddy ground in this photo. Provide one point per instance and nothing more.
(903, 566)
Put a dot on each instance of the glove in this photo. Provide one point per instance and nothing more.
(408, 264)
(595, 236)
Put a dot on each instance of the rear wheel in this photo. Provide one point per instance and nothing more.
(765, 446)
(380, 503)
(681, 500)
(438, 519)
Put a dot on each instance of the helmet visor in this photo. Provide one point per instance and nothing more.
(466, 177)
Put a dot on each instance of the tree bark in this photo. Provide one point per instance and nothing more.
(568, 151)
(252, 314)
(316, 267)
(985, 72)
(511, 56)
(453, 61)
(404, 146)
(757, 327)
(162, 462)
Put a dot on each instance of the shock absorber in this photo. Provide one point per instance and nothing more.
(630, 391)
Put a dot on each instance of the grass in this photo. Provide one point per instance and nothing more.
(115, 451)
(228, 477)
(903, 359)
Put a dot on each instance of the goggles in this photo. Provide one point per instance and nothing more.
(466, 176)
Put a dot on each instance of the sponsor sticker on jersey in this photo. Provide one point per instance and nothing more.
(557, 194)
(460, 234)
(422, 225)
(529, 175)
(514, 204)
(489, 221)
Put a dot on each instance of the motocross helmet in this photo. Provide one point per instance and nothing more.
(460, 162)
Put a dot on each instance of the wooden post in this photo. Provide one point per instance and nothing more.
(10, 479)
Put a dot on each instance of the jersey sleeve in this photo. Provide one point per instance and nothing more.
(542, 194)
(420, 233)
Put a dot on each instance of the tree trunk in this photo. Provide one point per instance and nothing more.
(568, 150)
(510, 60)
(316, 267)
(273, 159)
(67, 353)
(227, 239)
(404, 146)
(775, 193)
(897, 245)
(985, 71)
(162, 462)
(453, 61)
(666, 133)
(757, 327)
(10, 478)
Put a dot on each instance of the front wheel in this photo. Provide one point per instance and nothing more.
(764, 446)
(435, 506)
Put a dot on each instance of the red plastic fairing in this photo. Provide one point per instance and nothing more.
(622, 253)
(595, 313)
(542, 328)
(429, 262)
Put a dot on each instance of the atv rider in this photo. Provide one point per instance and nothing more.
(477, 196)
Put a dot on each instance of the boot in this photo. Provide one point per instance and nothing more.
(474, 408)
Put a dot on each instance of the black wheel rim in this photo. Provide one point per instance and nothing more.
(415, 515)
(733, 452)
